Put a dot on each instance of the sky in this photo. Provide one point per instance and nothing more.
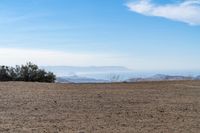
(138, 34)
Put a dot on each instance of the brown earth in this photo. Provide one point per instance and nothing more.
(148, 107)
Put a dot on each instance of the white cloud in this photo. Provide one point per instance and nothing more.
(187, 11)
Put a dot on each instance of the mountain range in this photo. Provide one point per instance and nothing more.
(158, 77)
(77, 79)
(74, 70)
(162, 77)
(104, 74)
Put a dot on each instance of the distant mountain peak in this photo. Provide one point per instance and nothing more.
(89, 67)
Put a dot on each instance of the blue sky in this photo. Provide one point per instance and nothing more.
(139, 34)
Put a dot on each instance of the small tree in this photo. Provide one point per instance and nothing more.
(29, 72)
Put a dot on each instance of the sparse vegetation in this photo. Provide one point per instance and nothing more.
(29, 73)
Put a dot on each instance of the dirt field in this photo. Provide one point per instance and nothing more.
(151, 107)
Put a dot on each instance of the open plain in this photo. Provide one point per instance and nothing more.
(146, 107)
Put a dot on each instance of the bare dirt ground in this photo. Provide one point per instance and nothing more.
(151, 107)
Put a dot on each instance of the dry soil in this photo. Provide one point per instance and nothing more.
(147, 107)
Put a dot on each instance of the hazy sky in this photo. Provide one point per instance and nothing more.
(139, 34)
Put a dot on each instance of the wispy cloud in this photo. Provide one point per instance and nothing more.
(13, 56)
(19, 18)
(187, 11)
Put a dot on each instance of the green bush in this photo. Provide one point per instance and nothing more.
(29, 73)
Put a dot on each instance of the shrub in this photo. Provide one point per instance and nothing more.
(5, 73)
(29, 73)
